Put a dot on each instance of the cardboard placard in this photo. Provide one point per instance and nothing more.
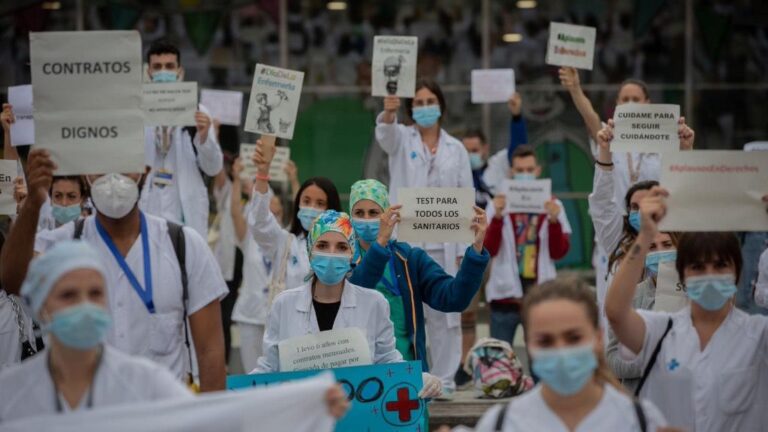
(571, 45)
(394, 65)
(715, 190)
(325, 350)
(170, 104)
(87, 91)
(8, 172)
(647, 128)
(224, 105)
(436, 215)
(492, 85)
(526, 196)
(23, 129)
(384, 397)
(274, 101)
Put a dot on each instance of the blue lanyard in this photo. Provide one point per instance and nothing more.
(144, 293)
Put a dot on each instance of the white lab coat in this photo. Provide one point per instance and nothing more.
(224, 250)
(529, 412)
(292, 315)
(187, 180)
(504, 280)
(761, 285)
(27, 390)
(719, 389)
(497, 170)
(251, 306)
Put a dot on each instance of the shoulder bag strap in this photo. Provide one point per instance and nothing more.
(652, 361)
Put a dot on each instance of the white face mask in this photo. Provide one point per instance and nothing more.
(114, 195)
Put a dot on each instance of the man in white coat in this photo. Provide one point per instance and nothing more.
(178, 156)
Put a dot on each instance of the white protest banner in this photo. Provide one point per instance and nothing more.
(669, 296)
(436, 215)
(170, 104)
(394, 65)
(492, 85)
(87, 93)
(715, 190)
(8, 172)
(325, 350)
(526, 196)
(277, 168)
(571, 45)
(647, 128)
(23, 129)
(224, 105)
(274, 101)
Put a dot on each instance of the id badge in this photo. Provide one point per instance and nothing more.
(163, 178)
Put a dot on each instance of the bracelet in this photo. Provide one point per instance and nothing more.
(264, 177)
(610, 164)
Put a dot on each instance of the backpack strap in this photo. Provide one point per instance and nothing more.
(652, 361)
(79, 225)
(640, 412)
(176, 233)
(502, 415)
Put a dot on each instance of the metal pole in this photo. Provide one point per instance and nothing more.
(80, 17)
(283, 33)
(689, 110)
(486, 60)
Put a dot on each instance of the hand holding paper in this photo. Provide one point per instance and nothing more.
(337, 401)
(40, 169)
(499, 204)
(653, 208)
(262, 157)
(553, 210)
(685, 134)
(515, 104)
(7, 117)
(569, 78)
(389, 220)
(604, 138)
(479, 226)
(203, 123)
(391, 106)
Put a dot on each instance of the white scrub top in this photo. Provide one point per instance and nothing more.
(722, 388)
(158, 336)
(530, 413)
(292, 315)
(251, 306)
(27, 389)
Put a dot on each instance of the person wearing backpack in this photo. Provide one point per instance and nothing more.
(577, 391)
(158, 273)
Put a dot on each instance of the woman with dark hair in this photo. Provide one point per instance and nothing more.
(286, 248)
(68, 196)
(705, 366)
(425, 155)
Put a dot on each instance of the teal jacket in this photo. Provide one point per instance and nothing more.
(421, 279)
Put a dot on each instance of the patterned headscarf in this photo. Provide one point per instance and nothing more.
(369, 189)
(331, 220)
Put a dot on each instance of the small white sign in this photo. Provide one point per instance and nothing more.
(274, 101)
(170, 104)
(492, 85)
(23, 129)
(669, 296)
(394, 65)
(571, 45)
(527, 196)
(436, 215)
(325, 350)
(279, 162)
(224, 105)
(647, 128)
(8, 172)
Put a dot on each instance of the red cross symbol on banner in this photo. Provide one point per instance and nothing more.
(403, 405)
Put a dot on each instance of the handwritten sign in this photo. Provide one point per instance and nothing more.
(279, 162)
(669, 296)
(8, 172)
(436, 214)
(325, 350)
(384, 397)
(571, 45)
(274, 101)
(170, 104)
(23, 129)
(527, 196)
(715, 190)
(394, 65)
(492, 85)
(650, 128)
(87, 92)
(224, 105)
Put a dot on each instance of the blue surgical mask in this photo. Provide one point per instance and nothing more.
(711, 292)
(81, 327)
(476, 161)
(634, 220)
(366, 229)
(653, 259)
(307, 216)
(164, 76)
(329, 268)
(64, 214)
(565, 370)
(524, 176)
(426, 116)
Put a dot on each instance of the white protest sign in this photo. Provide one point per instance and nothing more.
(669, 296)
(170, 104)
(224, 105)
(246, 160)
(87, 92)
(8, 172)
(436, 215)
(492, 85)
(325, 350)
(647, 128)
(394, 65)
(274, 101)
(571, 45)
(23, 129)
(715, 190)
(277, 167)
(526, 196)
